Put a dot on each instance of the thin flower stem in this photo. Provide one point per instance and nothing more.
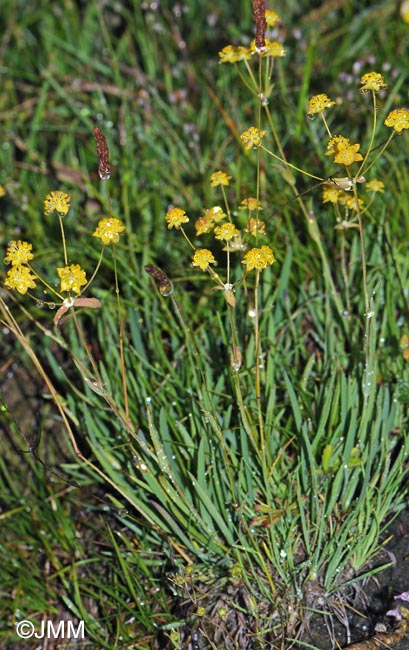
(121, 339)
(45, 283)
(245, 417)
(257, 341)
(101, 255)
(326, 124)
(187, 238)
(226, 204)
(344, 271)
(215, 277)
(312, 225)
(387, 143)
(254, 88)
(258, 354)
(288, 164)
(228, 264)
(202, 384)
(64, 246)
(369, 313)
(362, 166)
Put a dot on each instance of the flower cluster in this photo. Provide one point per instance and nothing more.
(255, 227)
(270, 49)
(260, 45)
(272, 19)
(372, 81)
(176, 217)
(398, 119)
(375, 186)
(234, 54)
(219, 178)
(203, 258)
(216, 221)
(318, 104)
(343, 151)
(258, 258)
(20, 277)
(58, 202)
(211, 217)
(108, 230)
(252, 138)
(18, 253)
(251, 204)
(72, 278)
(226, 231)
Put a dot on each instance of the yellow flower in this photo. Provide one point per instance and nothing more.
(250, 204)
(252, 138)
(336, 143)
(18, 253)
(331, 194)
(20, 278)
(272, 18)
(219, 178)
(375, 186)
(216, 214)
(226, 231)
(108, 230)
(175, 217)
(233, 54)
(202, 258)
(72, 278)
(2, 191)
(58, 201)
(349, 155)
(372, 81)
(274, 49)
(255, 227)
(398, 119)
(319, 103)
(204, 225)
(258, 258)
(344, 153)
(271, 48)
(353, 203)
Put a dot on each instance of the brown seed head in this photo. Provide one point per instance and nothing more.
(259, 16)
(104, 167)
(164, 284)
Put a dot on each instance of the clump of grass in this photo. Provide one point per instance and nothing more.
(264, 441)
